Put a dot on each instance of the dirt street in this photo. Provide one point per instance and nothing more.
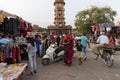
(90, 69)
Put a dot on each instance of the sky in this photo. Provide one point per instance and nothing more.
(41, 12)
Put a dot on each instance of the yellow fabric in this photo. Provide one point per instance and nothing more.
(79, 54)
(1, 18)
(26, 25)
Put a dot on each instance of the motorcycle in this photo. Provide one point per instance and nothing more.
(53, 53)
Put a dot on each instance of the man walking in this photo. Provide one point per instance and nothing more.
(84, 42)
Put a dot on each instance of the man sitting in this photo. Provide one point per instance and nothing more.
(102, 39)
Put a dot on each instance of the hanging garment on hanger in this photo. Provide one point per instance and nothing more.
(1, 27)
(1, 18)
(6, 24)
(27, 25)
(14, 29)
(11, 25)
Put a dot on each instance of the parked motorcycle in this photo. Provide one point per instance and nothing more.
(53, 53)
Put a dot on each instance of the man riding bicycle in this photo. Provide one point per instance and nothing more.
(102, 39)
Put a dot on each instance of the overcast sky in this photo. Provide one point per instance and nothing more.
(41, 12)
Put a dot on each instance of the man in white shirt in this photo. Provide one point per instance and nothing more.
(103, 39)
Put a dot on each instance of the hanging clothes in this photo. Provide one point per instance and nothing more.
(16, 58)
(2, 55)
(25, 32)
(6, 25)
(93, 28)
(26, 25)
(18, 26)
(18, 22)
(1, 27)
(11, 21)
(22, 26)
(14, 28)
(30, 28)
(8, 58)
(97, 28)
(1, 18)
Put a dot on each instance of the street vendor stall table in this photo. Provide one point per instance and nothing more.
(12, 71)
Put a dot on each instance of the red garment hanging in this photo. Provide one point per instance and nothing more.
(31, 28)
(97, 28)
(22, 26)
(14, 54)
(93, 28)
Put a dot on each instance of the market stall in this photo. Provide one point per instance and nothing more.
(13, 71)
(13, 24)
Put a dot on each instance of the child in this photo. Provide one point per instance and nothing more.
(79, 50)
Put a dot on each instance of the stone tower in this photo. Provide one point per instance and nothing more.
(59, 26)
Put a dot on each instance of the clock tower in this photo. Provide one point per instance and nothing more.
(59, 26)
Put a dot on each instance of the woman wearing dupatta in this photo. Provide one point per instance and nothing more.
(68, 47)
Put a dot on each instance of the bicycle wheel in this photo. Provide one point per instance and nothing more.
(109, 60)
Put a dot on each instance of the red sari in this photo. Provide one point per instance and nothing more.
(70, 51)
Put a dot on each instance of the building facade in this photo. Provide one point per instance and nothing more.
(59, 26)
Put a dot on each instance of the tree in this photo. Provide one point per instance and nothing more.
(39, 29)
(93, 16)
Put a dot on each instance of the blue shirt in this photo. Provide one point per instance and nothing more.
(84, 41)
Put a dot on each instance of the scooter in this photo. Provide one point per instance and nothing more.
(53, 53)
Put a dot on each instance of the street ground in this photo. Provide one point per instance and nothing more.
(90, 69)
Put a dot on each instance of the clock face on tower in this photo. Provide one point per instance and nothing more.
(59, 5)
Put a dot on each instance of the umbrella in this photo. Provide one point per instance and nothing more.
(106, 25)
(4, 41)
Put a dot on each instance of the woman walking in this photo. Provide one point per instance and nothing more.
(68, 46)
(32, 55)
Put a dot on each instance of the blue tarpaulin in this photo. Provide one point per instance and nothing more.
(4, 41)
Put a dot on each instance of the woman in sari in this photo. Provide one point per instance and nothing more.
(68, 47)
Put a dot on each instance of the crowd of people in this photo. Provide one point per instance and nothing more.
(35, 45)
